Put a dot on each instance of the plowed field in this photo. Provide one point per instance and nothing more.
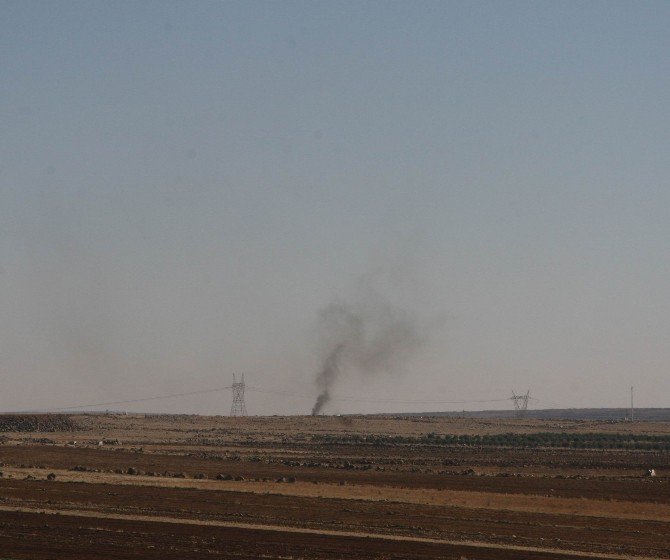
(184, 487)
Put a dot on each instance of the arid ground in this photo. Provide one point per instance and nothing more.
(113, 486)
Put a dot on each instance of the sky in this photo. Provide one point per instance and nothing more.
(186, 186)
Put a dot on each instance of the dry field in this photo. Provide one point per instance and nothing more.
(190, 487)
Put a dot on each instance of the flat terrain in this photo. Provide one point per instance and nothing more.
(186, 487)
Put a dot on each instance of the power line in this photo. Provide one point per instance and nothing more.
(280, 392)
(398, 401)
(129, 401)
(343, 398)
(557, 405)
(346, 398)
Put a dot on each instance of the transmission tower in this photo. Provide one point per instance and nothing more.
(520, 404)
(239, 407)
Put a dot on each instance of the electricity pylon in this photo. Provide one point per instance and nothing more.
(239, 407)
(520, 404)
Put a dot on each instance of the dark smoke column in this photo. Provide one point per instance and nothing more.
(367, 336)
(327, 375)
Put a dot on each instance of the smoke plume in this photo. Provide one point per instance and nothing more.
(368, 336)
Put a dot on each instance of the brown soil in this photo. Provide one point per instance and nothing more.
(347, 501)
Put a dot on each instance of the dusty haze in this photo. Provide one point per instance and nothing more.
(183, 189)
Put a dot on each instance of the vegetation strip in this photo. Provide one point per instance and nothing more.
(641, 442)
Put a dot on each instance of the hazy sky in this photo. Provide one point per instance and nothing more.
(185, 185)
